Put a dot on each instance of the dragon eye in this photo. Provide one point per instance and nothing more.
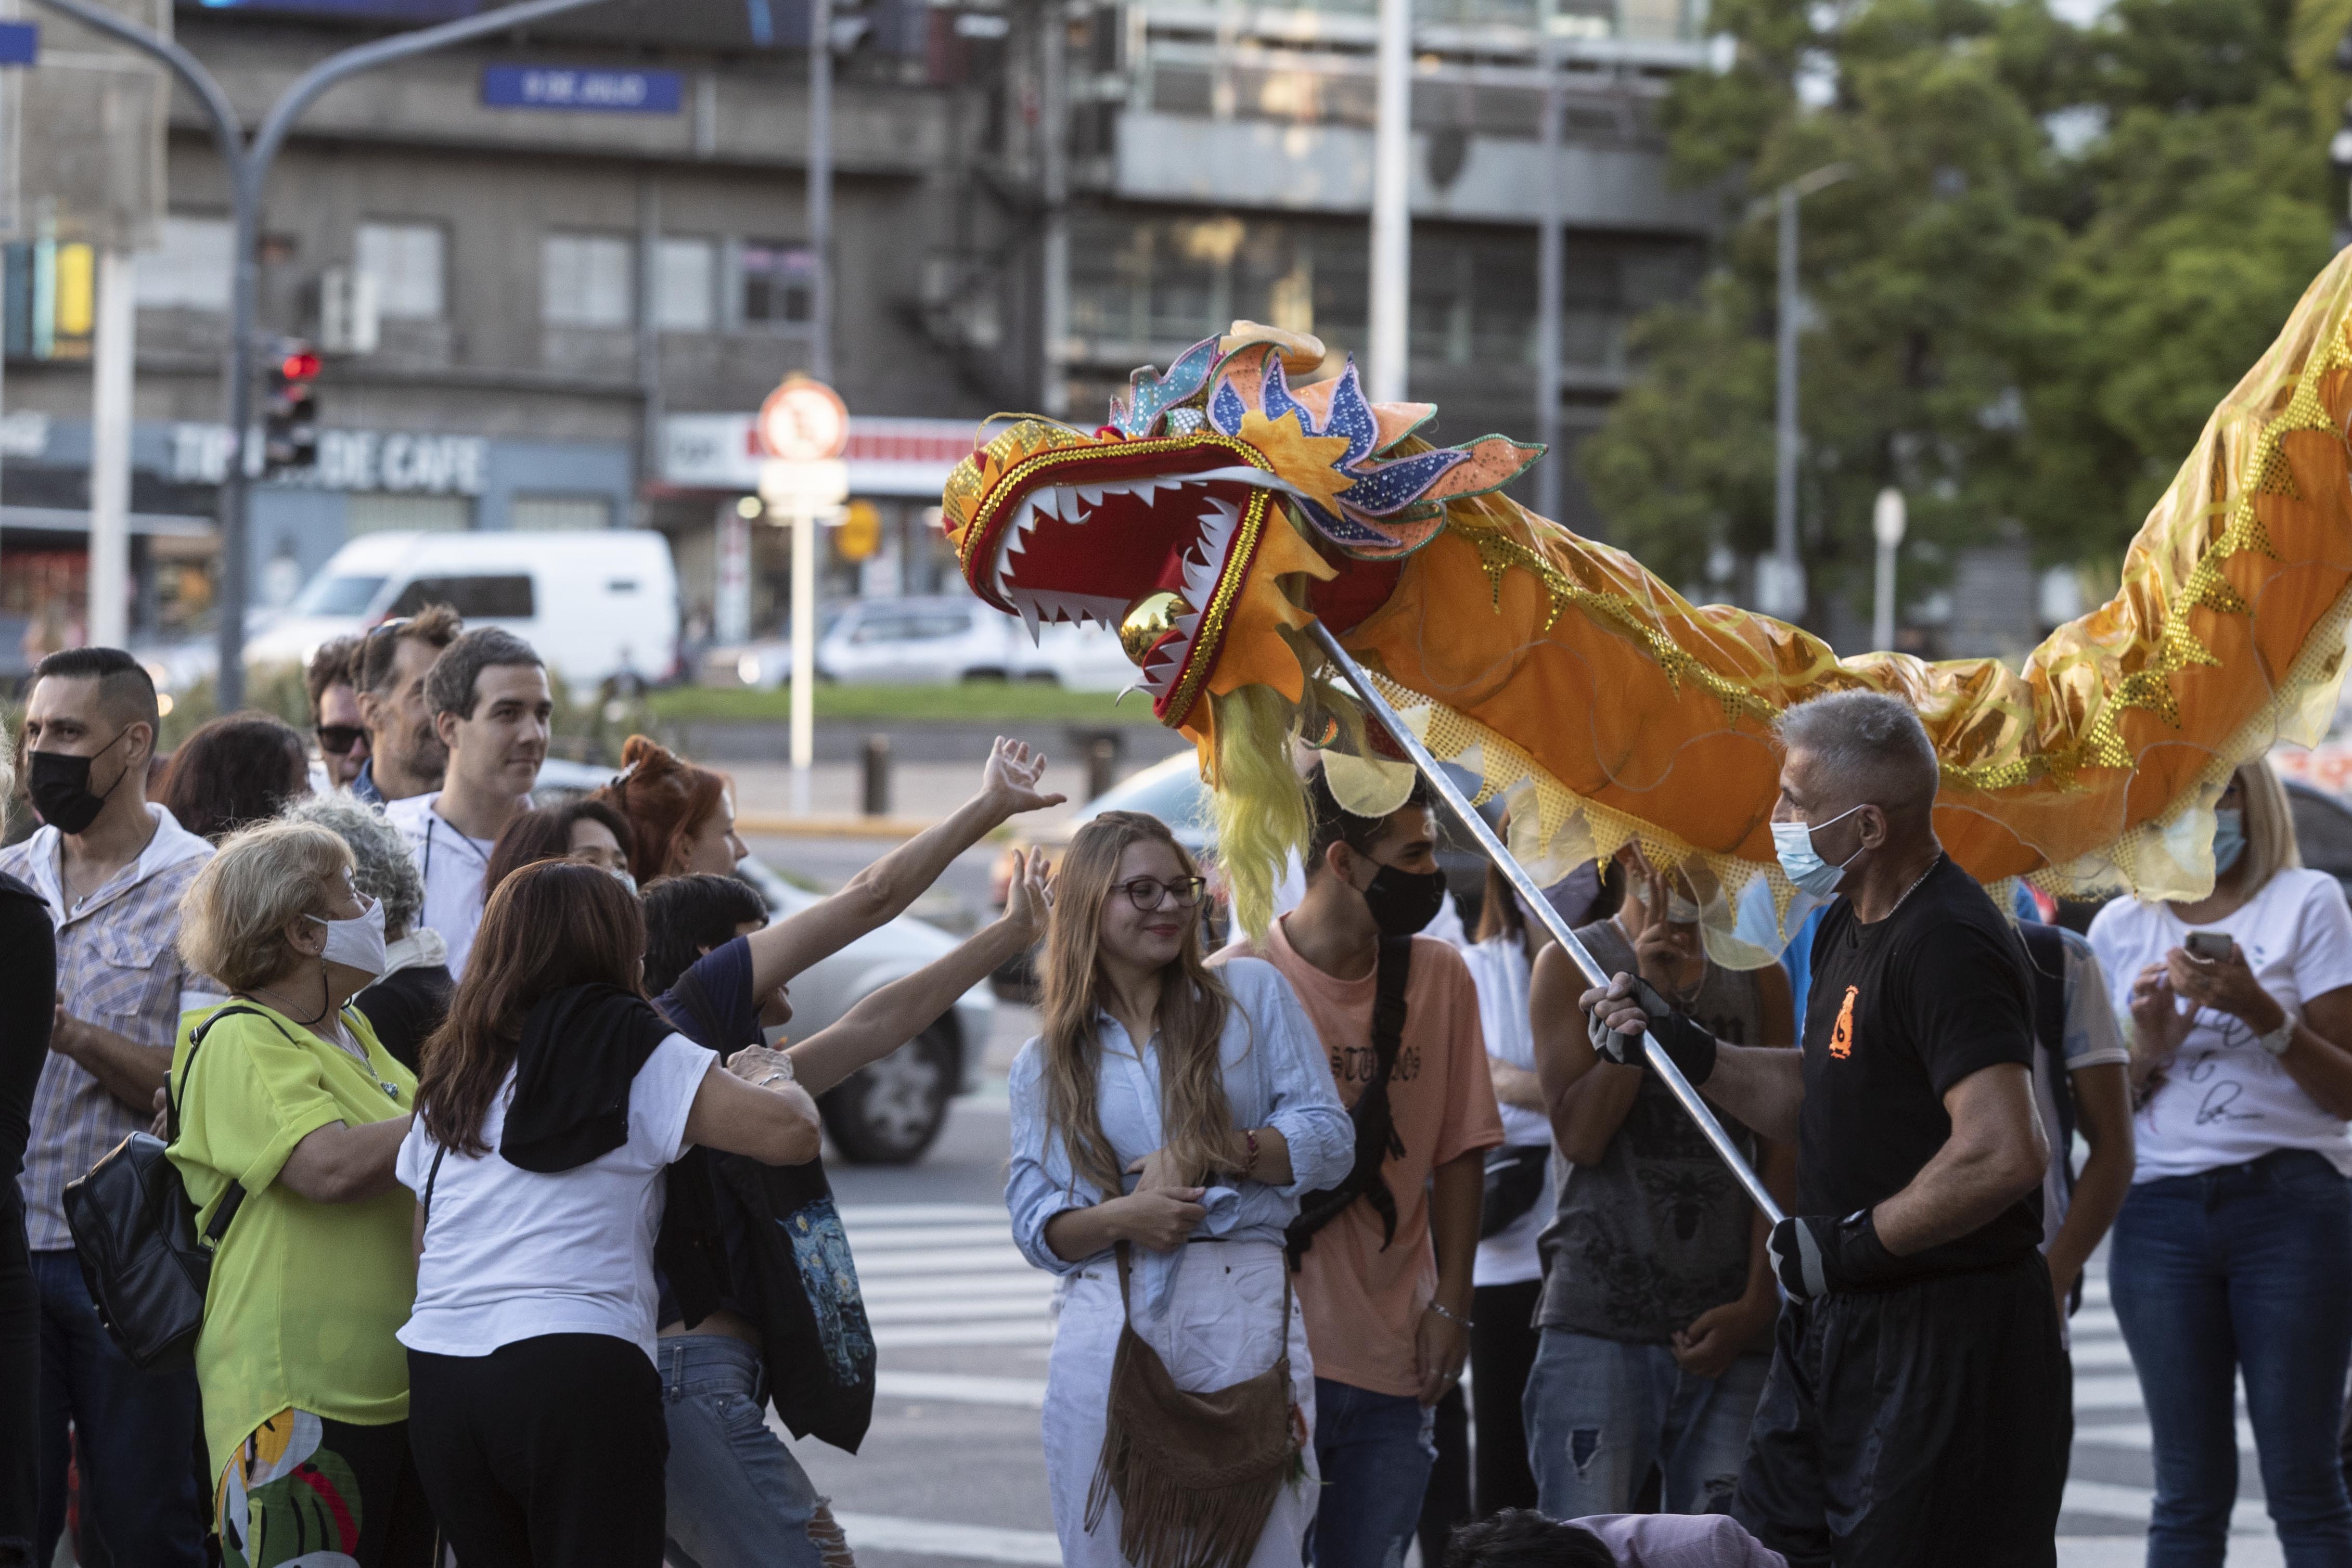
(1148, 620)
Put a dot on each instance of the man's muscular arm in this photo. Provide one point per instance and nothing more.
(1997, 1153)
(1763, 1086)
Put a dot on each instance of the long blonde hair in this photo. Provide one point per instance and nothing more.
(1194, 1115)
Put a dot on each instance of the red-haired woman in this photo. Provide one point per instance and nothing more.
(681, 816)
(552, 1100)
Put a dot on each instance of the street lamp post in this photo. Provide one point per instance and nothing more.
(248, 175)
(1549, 265)
(1887, 520)
(1780, 577)
(1389, 340)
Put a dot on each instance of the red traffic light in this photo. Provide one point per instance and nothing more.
(300, 365)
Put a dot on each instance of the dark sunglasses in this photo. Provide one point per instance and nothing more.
(339, 739)
(1145, 892)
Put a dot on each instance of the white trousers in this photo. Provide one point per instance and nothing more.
(1219, 1331)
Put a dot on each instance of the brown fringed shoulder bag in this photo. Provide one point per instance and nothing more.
(1196, 1475)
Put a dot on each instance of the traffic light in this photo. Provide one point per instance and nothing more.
(290, 428)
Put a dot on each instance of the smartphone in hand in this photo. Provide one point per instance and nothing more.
(2213, 946)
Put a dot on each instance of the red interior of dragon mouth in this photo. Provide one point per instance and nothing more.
(1075, 549)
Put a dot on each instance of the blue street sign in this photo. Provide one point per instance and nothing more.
(594, 90)
(20, 43)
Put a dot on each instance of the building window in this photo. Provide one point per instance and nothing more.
(541, 513)
(686, 276)
(194, 269)
(585, 279)
(368, 512)
(408, 261)
(775, 283)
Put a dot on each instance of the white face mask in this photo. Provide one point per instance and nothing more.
(1680, 910)
(1793, 844)
(357, 942)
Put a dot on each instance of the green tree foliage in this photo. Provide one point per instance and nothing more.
(2057, 249)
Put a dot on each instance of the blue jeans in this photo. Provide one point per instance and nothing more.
(736, 1497)
(2248, 1267)
(1375, 1451)
(135, 1435)
(1599, 1412)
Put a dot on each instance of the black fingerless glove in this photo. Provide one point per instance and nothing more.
(1688, 1047)
(1814, 1255)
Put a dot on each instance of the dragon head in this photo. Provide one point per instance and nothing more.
(1190, 522)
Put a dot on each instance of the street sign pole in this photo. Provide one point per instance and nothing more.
(805, 428)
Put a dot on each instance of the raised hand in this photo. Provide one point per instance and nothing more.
(1011, 776)
(2158, 1022)
(1029, 897)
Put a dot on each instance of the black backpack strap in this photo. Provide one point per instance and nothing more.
(2045, 945)
(234, 1198)
(1376, 1136)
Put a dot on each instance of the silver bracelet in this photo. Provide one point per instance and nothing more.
(1455, 1318)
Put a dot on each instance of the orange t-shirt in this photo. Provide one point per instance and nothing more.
(1363, 1301)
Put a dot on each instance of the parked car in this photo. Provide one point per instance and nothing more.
(599, 605)
(890, 1111)
(2323, 830)
(944, 638)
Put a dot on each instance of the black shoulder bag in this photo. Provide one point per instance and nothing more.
(1376, 1134)
(816, 1342)
(135, 1231)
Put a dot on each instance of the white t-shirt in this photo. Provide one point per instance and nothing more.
(452, 865)
(2093, 1038)
(1500, 968)
(512, 1254)
(2225, 1100)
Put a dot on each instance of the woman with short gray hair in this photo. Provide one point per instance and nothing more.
(409, 1002)
(288, 1114)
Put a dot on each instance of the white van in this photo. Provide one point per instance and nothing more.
(597, 604)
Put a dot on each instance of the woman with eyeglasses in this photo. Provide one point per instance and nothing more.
(1164, 1126)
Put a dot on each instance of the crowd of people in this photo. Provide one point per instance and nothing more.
(522, 1224)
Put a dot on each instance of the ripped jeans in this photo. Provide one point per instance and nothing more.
(737, 1497)
(1599, 1412)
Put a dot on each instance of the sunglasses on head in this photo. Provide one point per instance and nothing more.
(339, 739)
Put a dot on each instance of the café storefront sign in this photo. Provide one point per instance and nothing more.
(398, 462)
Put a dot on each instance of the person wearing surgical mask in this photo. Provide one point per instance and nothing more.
(1658, 1297)
(289, 1108)
(1386, 1258)
(2227, 1259)
(1915, 1415)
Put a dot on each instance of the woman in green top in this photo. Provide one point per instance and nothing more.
(291, 1097)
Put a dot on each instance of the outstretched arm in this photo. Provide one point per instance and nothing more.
(881, 892)
(889, 1018)
(1764, 1086)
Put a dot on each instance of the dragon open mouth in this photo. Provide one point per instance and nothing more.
(1147, 538)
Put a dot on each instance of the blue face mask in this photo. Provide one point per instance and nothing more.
(1793, 842)
(2229, 837)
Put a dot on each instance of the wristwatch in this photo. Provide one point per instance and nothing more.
(782, 1073)
(2278, 1039)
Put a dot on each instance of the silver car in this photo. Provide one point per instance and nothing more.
(888, 1112)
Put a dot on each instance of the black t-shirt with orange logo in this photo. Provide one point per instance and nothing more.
(1900, 1011)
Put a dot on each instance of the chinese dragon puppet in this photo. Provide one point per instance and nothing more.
(1229, 499)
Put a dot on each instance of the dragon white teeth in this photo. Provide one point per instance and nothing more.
(1028, 608)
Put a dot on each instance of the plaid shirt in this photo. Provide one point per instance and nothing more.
(118, 966)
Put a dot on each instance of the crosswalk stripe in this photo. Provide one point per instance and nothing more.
(892, 1237)
(971, 1542)
(856, 1215)
(2138, 1435)
(943, 1260)
(983, 1309)
(959, 1287)
(2102, 1499)
(960, 1388)
(910, 1336)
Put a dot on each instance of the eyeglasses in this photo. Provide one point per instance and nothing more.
(339, 739)
(1145, 892)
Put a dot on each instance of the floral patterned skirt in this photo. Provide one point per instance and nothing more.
(307, 1491)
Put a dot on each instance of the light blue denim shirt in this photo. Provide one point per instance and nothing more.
(1276, 1076)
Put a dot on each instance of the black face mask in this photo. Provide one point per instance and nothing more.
(59, 785)
(1404, 901)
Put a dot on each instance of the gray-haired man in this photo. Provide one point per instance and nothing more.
(1915, 1412)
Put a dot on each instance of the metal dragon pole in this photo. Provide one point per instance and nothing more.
(1517, 874)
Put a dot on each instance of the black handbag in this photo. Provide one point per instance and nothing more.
(1515, 1180)
(134, 1232)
